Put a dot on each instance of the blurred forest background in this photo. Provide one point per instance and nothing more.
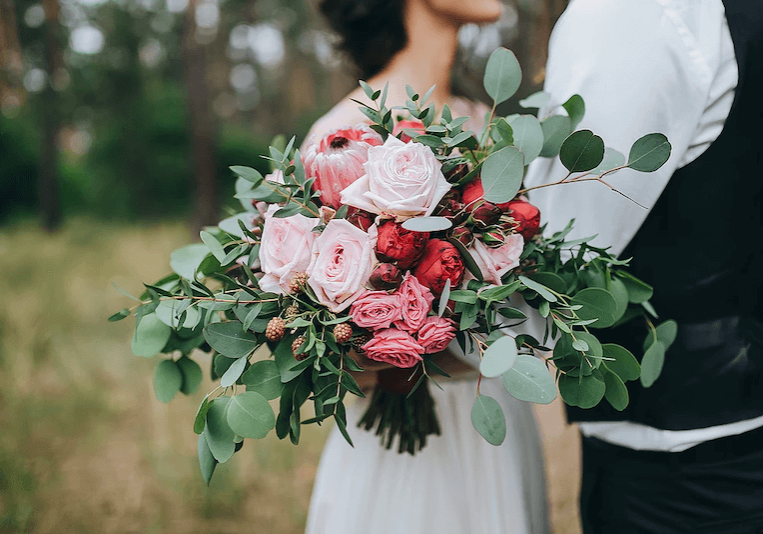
(118, 121)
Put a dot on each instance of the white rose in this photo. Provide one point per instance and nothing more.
(285, 249)
(495, 262)
(402, 179)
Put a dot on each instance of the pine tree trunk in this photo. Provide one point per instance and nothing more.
(47, 178)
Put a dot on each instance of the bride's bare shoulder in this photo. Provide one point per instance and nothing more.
(345, 113)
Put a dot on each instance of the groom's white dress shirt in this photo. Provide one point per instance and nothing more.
(641, 66)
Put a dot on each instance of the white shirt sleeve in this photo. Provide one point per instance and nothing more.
(640, 70)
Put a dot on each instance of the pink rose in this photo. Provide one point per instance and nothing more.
(343, 259)
(404, 180)
(336, 160)
(435, 334)
(394, 347)
(285, 250)
(376, 310)
(495, 262)
(416, 302)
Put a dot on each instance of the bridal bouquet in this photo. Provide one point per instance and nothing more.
(385, 242)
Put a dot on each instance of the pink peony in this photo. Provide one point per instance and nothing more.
(336, 160)
(285, 250)
(376, 310)
(435, 334)
(394, 347)
(495, 262)
(403, 180)
(416, 302)
(343, 259)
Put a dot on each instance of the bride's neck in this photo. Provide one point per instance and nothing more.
(426, 59)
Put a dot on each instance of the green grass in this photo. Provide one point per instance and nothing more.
(84, 445)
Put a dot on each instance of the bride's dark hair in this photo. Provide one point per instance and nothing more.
(371, 31)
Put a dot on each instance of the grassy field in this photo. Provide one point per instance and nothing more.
(84, 445)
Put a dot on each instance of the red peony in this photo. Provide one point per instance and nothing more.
(441, 261)
(396, 244)
(394, 347)
(527, 217)
(407, 124)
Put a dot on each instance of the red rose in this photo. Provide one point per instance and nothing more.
(407, 124)
(527, 217)
(441, 261)
(376, 310)
(385, 276)
(394, 347)
(396, 244)
(416, 302)
(436, 333)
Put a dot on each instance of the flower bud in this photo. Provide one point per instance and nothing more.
(456, 173)
(449, 209)
(493, 237)
(486, 214)
(360, 218)
(385, 276)
(462, 234)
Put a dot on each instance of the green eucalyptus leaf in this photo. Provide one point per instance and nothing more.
(502, 75)
(612, 159)
(214, 245)
(528, 135)
(502, 174)
(151, 335)
(264, 378)
(186, 260)
(250, 415)
(443, 304)
(535, 100)
(638, 291)
(201, 415)
(234, 372)
(488, 419)
(651, 363)
(529, 380)
(192, 375)
(207, 461)
(581, 151)
(649, 153)
(542, 290)
(575, 108)
(169, 312)
(247, 173)
(230, 339)
(665, 332)
(168, 379)
(119, 315)
(499, 357)
(427, 224)
(620, 361)
(597, 303)
(582, 391)
(616, 393)
(555, 131)
(218, 433)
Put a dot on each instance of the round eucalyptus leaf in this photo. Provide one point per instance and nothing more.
(502, 174)
(575, 108)
(618, 290)
(535, 100)
(234, 372)
(612, 159)
(499, 357)
(264, 378)
(581, 151)
(168, 378)
(555, 131)
(582, 391)
(591, 358)
(167, 311)
(231, 226)
(250, 415)
(221, 364)
(502, 75)
(488, 419)
(651, 363)
(666, 332)
(616, 393)
(597, 304)
(620, 361)
(550, 280)
(207, 462)
(427, 224)
(218, 433)
(185, 260)
(192, 375)
(649, 153)
(230, 339)
(528, 135)
(580, 345)
(150, 337)
(638, 291)
(530, 380)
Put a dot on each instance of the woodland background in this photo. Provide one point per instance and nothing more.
(118, 121)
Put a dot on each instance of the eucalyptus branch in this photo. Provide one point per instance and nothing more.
(289, 197)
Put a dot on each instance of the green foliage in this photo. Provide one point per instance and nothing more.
(649, 153)
(499, 357)
(529, 380)
(502, 75)
(488, 419)
(502, 174)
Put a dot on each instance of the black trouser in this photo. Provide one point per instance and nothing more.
(713, 488)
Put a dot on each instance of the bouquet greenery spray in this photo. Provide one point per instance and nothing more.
(388, 242)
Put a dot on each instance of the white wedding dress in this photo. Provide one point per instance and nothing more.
(458, 484)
